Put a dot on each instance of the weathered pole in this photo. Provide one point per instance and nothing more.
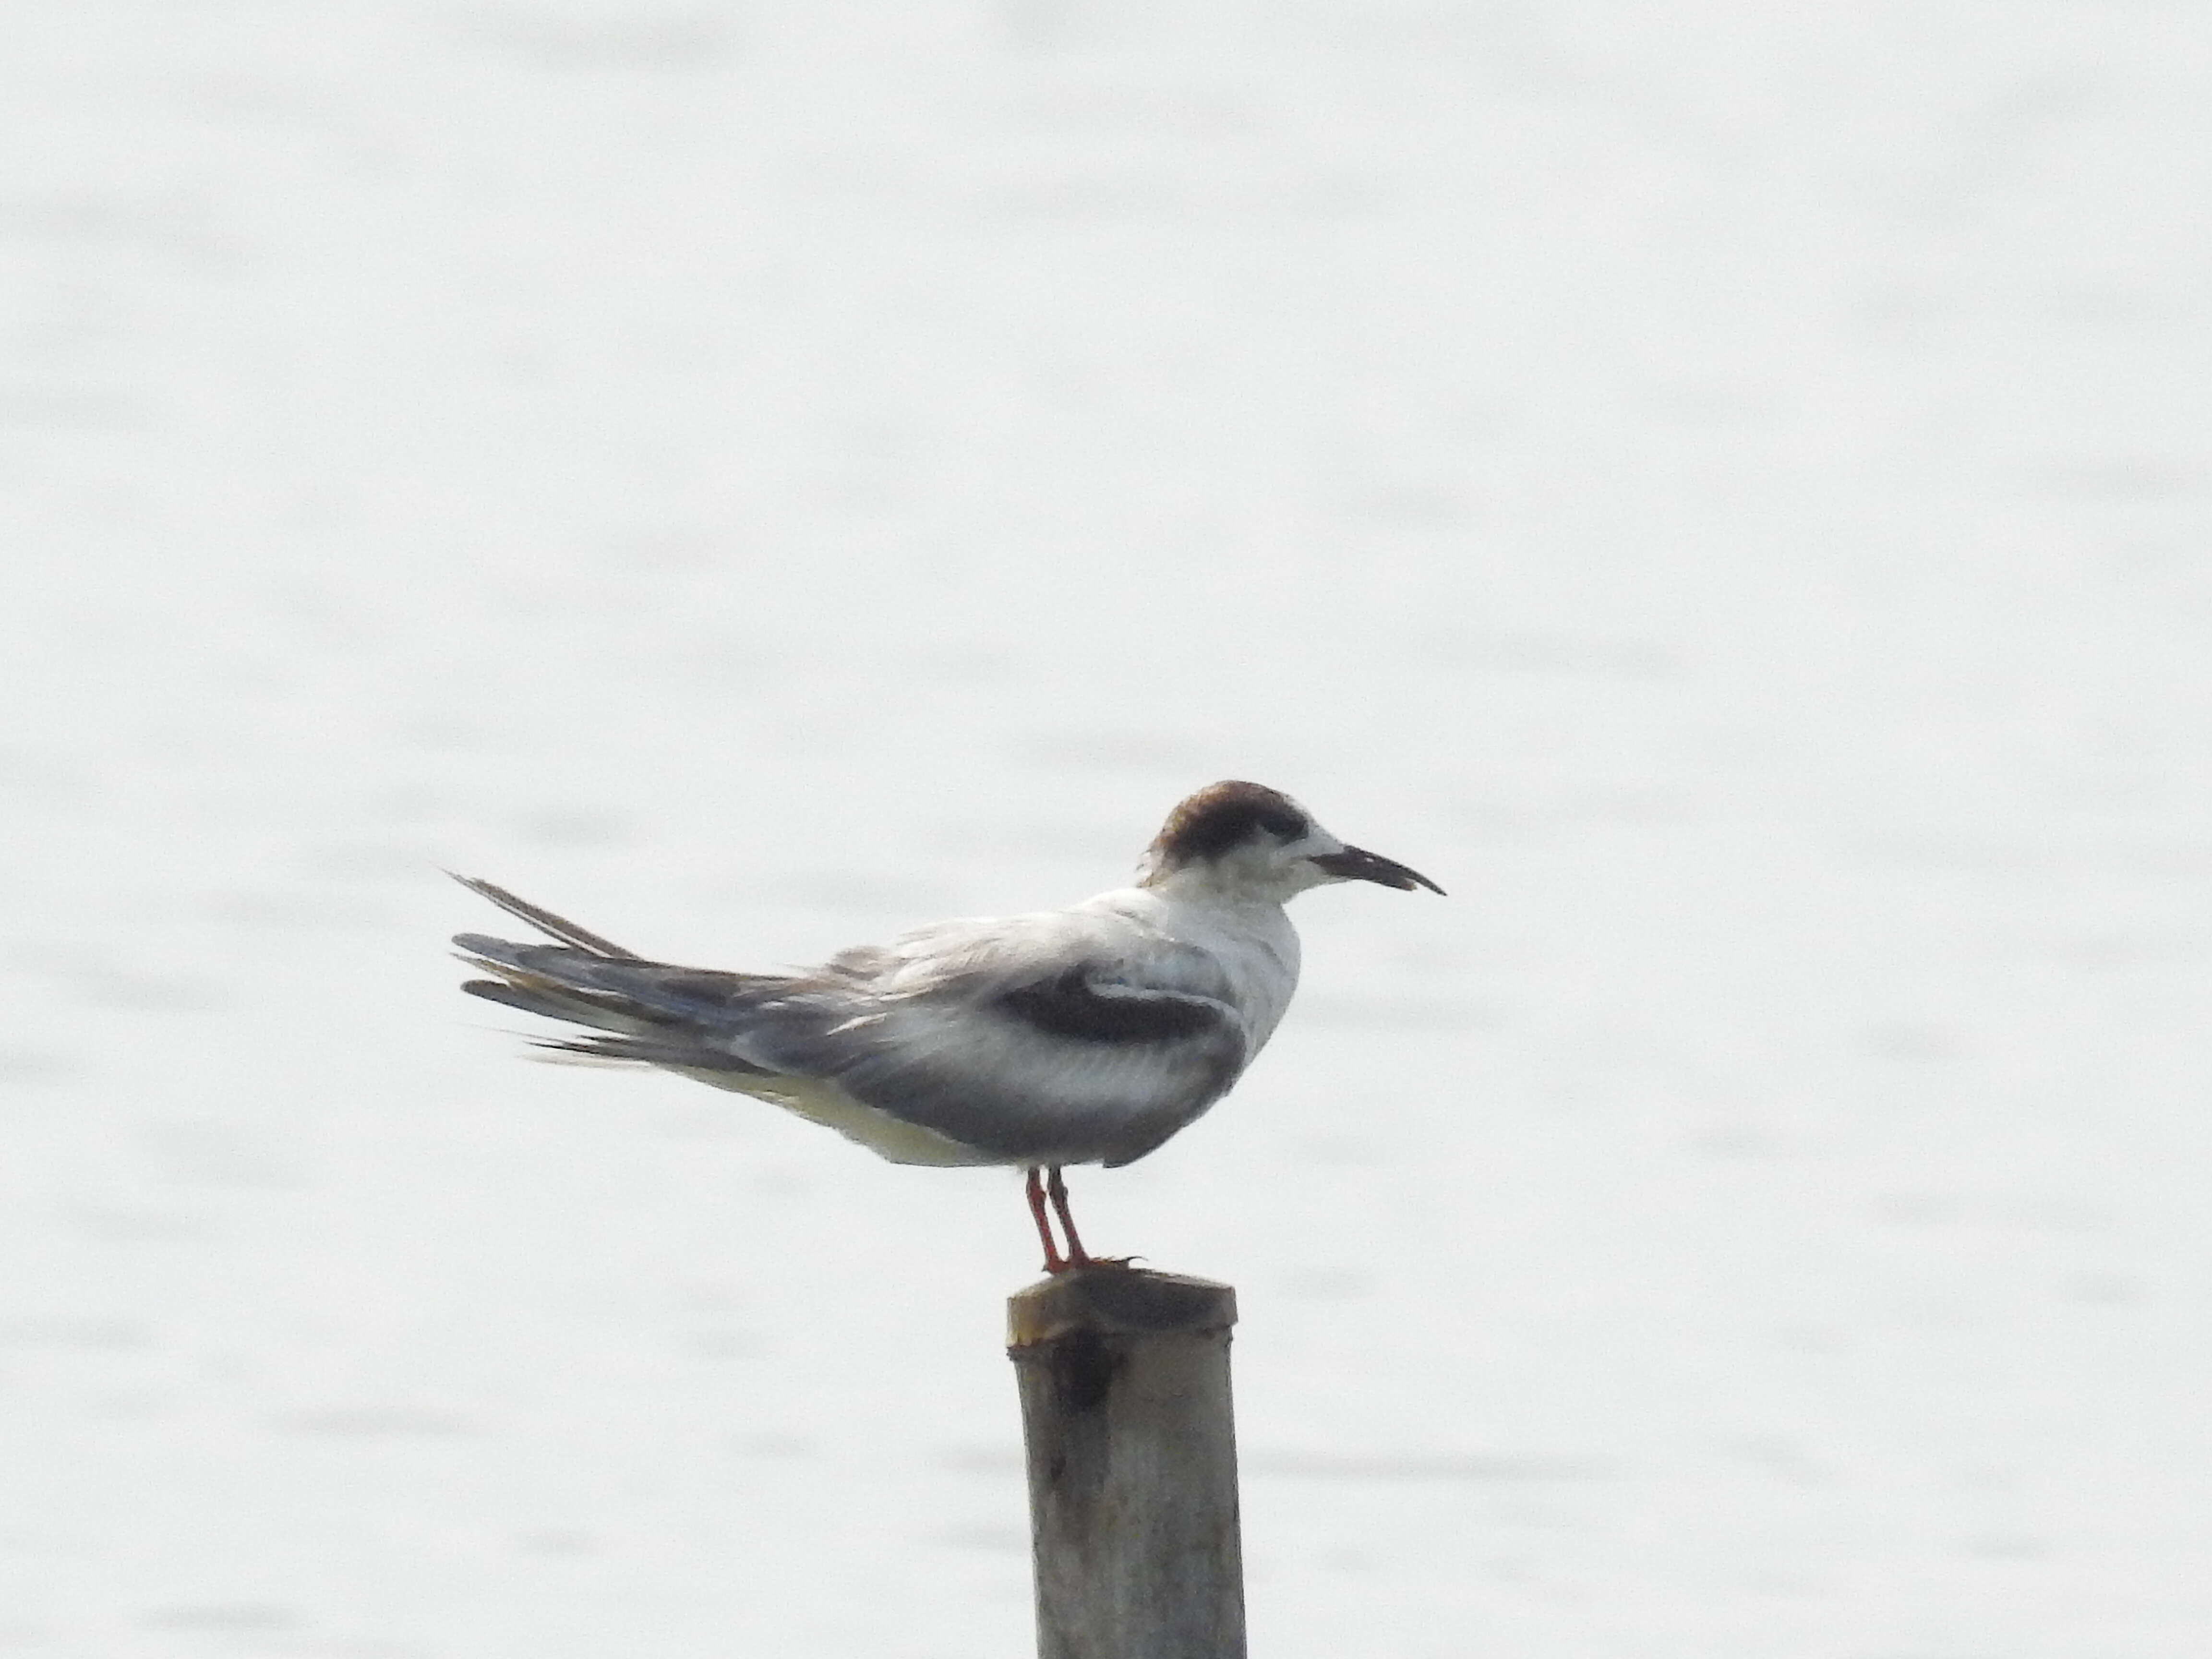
(1131, 1446)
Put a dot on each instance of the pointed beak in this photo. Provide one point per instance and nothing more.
(1358, 864)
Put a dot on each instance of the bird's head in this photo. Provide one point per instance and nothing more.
(1245, 841)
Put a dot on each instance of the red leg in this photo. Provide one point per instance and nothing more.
(1056, 1189)
(1035, 1187)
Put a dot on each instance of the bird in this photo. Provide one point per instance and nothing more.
(1081, 1035)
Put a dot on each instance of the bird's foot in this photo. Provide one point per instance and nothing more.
(1047, 1186)
(1075, 1264)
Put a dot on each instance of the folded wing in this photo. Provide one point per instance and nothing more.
(1047, 1039)
(1084, 1063)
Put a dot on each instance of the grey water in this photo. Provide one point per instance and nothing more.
(1723, 490)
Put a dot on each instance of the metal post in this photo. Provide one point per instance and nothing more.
(1132, 1464)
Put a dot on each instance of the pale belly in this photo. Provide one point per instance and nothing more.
(821, 1101)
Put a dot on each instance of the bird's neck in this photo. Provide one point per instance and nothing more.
(1204, 887)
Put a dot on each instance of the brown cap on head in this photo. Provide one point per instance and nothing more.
(1222, 816)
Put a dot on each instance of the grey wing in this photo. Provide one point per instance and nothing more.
(1076, 1056)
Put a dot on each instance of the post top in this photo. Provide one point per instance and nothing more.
(1116, 1301)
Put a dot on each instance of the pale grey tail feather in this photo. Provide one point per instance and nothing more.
(674, 1049)
(636, 1033)
(545, 921)
(657, 1013)
(551, 1001)
(659, 993)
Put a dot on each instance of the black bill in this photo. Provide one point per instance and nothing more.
(1358, 864)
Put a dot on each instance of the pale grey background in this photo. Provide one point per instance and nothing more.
(1723, 488)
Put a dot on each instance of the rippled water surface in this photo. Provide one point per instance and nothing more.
(1724, 491)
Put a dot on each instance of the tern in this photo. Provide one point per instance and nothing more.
(1088, 1035)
